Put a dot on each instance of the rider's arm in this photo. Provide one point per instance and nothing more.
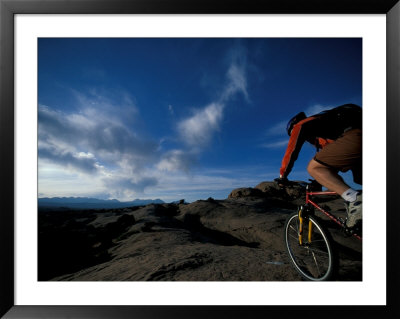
(296, 141)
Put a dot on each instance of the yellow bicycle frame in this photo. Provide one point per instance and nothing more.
(301, 228)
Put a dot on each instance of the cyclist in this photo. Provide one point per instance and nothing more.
(337, 136)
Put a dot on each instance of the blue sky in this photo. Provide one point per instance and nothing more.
(183, 118)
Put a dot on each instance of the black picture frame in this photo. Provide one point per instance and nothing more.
(8, 8)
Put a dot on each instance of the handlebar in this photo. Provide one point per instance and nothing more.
(312, 184)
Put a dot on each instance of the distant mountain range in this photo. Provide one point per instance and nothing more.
(92, 203)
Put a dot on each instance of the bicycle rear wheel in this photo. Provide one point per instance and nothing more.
(314, 260)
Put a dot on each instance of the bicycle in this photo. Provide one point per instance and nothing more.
(308, 243)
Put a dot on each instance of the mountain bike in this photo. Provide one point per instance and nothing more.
(309, 245)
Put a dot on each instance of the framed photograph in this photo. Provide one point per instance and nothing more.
(140, 143)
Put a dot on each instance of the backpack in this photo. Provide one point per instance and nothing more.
(347, 116)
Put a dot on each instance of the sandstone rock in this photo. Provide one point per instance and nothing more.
(270, 188)
(245, 192)
(295, 192)
(206, 240)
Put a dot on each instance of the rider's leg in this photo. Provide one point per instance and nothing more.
(327, 177)
(341, 155)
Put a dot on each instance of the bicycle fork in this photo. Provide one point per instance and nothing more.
(301, 221)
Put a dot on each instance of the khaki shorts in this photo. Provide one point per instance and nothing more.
(344, 154)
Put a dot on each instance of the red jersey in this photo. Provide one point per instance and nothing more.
(319, 130)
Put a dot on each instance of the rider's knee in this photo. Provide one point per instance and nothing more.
(312, 165)
(315, 168)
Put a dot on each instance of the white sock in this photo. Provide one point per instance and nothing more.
(350, 195)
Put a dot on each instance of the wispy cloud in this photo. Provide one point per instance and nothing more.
(105, 137)
(71, 160)
(98, 143)
(237, 82)
(96, 140)
(236, 74)
(176, 160)
(317, 108)
(277, 129)
(197, 130)
(127, 187)
(277, 144)
(275, 136)
(111, 105)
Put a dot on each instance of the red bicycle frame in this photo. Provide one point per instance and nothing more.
(328, 214)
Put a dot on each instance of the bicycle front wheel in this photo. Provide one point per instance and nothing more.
(312, 256)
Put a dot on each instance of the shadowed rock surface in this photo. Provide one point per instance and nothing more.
(236, 239)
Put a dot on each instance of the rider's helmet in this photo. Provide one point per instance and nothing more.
(294, 120)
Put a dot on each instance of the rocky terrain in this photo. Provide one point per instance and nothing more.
(236, 239)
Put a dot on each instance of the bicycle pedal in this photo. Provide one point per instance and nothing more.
(347, 232)
(350, 231)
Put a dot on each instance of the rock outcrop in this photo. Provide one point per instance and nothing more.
(246, 192)
(236, 239)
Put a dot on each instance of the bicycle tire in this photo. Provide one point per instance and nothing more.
(315, 261)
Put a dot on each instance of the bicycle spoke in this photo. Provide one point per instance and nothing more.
(316, 263)
(313, 260)
(295, 237)
(318, 241)
(320, 251)
(295, 229)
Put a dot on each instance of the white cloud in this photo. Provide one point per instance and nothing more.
(197, 130)
(114, 106)
(70, 160)
(176, 160)
(96, 141)
(97, 151)
(127, 187)
(85, 155)
(83, 133)
(59, 181)
(237, 82)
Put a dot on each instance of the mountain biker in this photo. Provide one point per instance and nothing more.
(337, 136)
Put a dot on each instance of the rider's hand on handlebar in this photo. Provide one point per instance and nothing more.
(282, 181)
